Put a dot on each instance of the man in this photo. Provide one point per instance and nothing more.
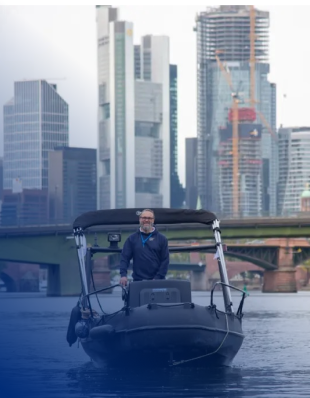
(149, 250)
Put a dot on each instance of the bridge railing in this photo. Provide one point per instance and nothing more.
(36, 221)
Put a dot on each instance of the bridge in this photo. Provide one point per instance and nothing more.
(54, 247)
(256, 228)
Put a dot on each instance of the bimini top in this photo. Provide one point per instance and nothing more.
(131, 217)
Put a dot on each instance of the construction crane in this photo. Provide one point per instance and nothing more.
(235, 135)
(235, 108)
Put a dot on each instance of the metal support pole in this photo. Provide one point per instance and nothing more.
(222, 266)
(81, 249)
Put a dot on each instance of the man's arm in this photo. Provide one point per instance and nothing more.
(163, 268)
(126, 256)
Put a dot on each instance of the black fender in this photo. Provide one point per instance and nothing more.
(75, 317)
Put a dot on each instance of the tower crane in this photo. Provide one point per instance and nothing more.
(235, 109)
(235, 135)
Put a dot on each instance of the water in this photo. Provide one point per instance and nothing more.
(36, 361)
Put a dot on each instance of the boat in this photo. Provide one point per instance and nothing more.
(158, 323)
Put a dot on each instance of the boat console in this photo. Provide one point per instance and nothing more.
(167, 291)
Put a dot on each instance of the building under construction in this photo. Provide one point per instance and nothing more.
(228, 28)
(250, 166)
(237, 38)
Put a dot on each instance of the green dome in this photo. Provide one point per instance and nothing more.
(306, 194)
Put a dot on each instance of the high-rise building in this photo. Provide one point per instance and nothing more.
(191, 172)
(116, 130)
(155, 67)
(148, 157)
(294, 168)
(250, 167)
(137, 54)
(273, 193)
(24, 207)
(35, 122)
(134, 106)
(72, 183)
(226, 31)
(177, 192)
(1, 177)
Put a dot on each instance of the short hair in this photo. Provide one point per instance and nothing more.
(151, 211)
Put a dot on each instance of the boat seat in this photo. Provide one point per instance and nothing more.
(159, 291)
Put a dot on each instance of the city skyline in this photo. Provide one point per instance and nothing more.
(54, 59)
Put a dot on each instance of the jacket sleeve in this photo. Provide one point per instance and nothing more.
(163, 268)
(126, 256)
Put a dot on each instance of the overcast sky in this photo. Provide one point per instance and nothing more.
(60, 42)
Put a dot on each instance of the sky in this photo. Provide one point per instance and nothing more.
(58, 43)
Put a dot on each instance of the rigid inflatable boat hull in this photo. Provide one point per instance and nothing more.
(162, 334)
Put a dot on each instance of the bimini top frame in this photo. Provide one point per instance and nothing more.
(131, 217)
(162, 216)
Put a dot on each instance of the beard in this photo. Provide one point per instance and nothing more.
(146, 227)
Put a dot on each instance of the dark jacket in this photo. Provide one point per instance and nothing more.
(150, 260)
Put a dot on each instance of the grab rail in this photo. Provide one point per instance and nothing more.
(239, 311)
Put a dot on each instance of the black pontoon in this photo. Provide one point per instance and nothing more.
(158, 323)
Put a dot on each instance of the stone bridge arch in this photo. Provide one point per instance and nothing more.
(260, 262)
(20, 277)
(9, 282)
(233, 267)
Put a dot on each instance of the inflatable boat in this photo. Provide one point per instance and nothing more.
(158, 323)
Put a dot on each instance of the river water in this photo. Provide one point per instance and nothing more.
(36, 361)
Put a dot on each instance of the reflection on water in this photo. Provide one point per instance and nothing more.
(35, 359)
(177, 382)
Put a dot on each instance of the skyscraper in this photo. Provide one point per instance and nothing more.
(177, 192)
(1, 178)
(152, 126)
(137, 54)
(155, 67)
(35, 122)
(115, 166)
(148, 157)
(72, 183)
(294, 168)
(133, 117)
(250, 166)
(226, 32)
(191, 172)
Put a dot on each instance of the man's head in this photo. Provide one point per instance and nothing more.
(147, 219)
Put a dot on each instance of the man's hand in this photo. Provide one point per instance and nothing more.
(123, 281)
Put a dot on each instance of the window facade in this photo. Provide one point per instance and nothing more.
(35, 122)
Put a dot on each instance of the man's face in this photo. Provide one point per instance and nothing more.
(146, 221)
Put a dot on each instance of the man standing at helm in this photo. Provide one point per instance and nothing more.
(149, 250)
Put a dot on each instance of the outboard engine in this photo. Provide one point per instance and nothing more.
(88, 320)
(82, 329)
(80, 323)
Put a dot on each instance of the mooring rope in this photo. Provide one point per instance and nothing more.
(206, 355)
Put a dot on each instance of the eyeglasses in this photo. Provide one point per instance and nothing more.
(146, 218)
